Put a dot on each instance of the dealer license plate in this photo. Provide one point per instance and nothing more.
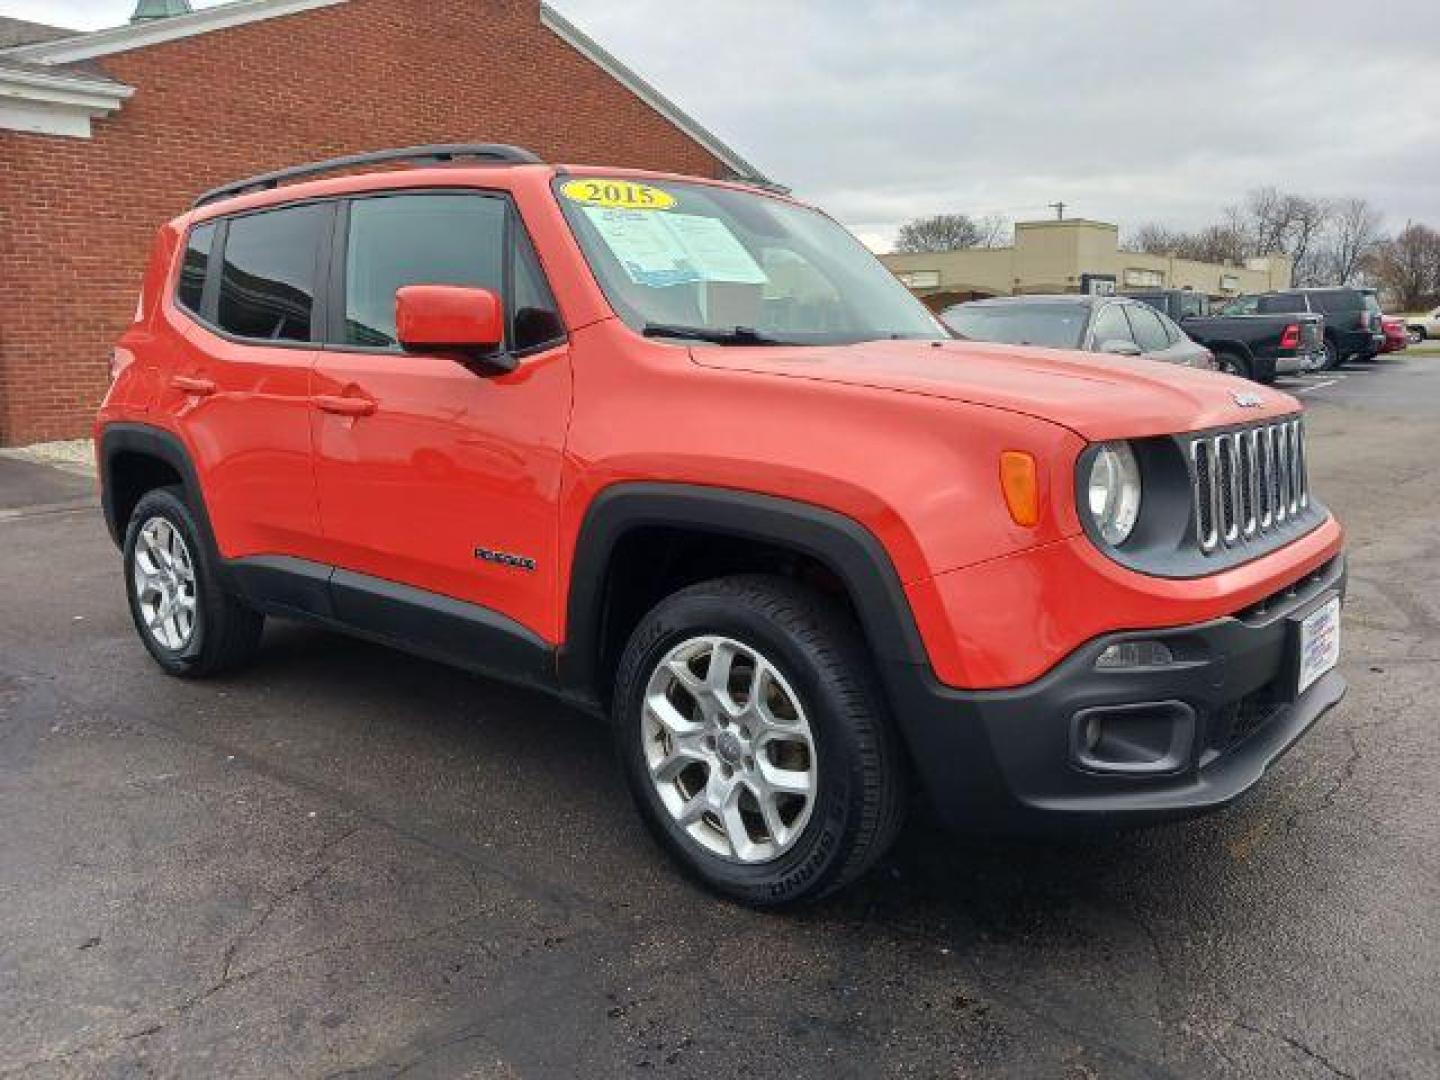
(1319, 643)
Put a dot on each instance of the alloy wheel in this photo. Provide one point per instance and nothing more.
(165, 589)
(729, 749)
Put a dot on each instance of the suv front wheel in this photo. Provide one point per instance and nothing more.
(191, 626)
(754, 740)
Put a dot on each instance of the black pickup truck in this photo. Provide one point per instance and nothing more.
(1258, 347)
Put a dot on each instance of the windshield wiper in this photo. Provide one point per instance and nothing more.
(736, 335)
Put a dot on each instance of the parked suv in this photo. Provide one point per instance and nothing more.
(1352, 318)
(683, 453)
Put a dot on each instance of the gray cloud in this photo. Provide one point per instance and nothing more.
(1128, 110)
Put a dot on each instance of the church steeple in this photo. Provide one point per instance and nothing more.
(146, 10)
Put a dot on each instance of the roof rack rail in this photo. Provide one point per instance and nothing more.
(498, 153)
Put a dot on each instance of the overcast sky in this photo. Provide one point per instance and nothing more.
(1128, 110)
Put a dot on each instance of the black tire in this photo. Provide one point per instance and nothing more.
(226, 633)
(1232, 363)
(1415, 335)
(859, 799)
(1332, 356)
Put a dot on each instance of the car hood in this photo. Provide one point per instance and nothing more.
(1098, 397)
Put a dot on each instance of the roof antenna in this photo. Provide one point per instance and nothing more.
(1059, 208)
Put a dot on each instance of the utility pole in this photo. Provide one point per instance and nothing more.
(1059, 208)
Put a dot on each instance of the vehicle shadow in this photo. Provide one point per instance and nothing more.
(474, 734)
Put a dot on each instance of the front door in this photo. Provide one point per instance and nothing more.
(431, 475)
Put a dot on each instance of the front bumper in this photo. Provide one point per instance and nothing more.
(1012, 759)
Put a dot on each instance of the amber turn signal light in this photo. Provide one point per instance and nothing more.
(1022, 488)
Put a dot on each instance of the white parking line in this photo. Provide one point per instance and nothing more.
(1318, 386)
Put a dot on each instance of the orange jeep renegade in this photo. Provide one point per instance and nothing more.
(682, 452)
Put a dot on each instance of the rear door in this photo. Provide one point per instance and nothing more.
(247, 307)
(431, 475)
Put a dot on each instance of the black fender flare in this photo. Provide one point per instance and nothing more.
(847, 548)
(150, 441)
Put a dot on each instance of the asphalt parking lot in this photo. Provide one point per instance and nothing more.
(348, 862)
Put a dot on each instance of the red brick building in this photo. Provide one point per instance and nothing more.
(105, 135)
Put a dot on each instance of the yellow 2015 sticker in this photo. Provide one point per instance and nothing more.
(617, 194)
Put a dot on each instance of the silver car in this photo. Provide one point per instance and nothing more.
(1105, 324)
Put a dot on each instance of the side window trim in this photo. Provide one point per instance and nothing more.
(1134, 337)
(515, 232)
(217, 227)
(210, 293)
(335, 280)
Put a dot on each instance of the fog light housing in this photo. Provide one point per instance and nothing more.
(1134, 654)
(1149, 738)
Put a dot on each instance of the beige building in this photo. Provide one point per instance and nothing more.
(1069, 256)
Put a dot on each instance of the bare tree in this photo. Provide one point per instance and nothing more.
(1354, 237)
(1214, 243)
(995, 231)
(1280, 222)
(1221, 243)
(1408, 267)
(950, 232)
(1265, 219)
(1152, 238)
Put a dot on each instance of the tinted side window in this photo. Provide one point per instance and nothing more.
(1192, 303)
(1111, 325)
(1284, 303)
(536, 320)
(1334, 302)
(267, 284)
(1149, 333)
(194, 265)
(398, 240)
(1172, 332)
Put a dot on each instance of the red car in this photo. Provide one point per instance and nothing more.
(1396, 334)
(684, 454)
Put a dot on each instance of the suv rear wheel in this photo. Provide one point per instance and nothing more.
(191, 626)
(754, 741)
(1332, 356)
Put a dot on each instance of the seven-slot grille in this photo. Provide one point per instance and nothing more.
(1248, 483)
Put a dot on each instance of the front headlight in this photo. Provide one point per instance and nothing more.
(1113, 491)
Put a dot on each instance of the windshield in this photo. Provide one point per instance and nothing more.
(1056, 326)
(692, 261)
